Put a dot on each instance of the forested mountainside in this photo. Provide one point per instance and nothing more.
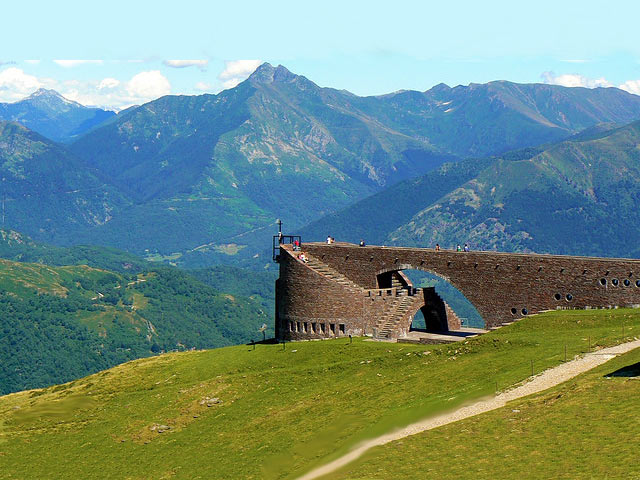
(68, 312)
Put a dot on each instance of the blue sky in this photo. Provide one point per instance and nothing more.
(121, 53)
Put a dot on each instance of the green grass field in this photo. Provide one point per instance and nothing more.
(586, 428)
(283, 411)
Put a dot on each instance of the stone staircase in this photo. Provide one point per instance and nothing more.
(393, 314)
(395, 311)
(328, 272)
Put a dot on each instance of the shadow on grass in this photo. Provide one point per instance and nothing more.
(628, 371)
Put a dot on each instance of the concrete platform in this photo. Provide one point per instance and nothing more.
(453, 336)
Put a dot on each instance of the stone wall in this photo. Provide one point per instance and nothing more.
(503, 287)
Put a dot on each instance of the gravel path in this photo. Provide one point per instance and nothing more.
(547, 379)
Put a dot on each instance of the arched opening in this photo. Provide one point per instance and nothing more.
(439, 306)
(453, 297)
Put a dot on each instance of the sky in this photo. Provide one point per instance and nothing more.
(120, 53)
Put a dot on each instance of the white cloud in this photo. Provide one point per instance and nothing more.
(108, 83)
(203, 86)
(236, 71)
(111, 93)
(631, 86)
(574, 80)
(108, 92)
(32, 62)
(201, 64)
(75, 63)
(15, 84)
(147, 86)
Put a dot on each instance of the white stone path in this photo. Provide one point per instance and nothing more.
(547, 379)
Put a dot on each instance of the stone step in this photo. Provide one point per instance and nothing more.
(393, 317)
(328, 272)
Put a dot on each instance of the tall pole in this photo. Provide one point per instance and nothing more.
(4, 198)
(279, 226)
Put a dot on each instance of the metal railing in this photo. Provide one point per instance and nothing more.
(278, 240)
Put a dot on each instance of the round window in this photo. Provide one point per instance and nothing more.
(514, 311)
(626, 282)
(524, 311)
(569, 297)
(637, 283)
(614, 282)
(557, 296)
(603, 281)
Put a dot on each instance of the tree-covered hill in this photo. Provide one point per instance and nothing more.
(61, 323)
(22, 248)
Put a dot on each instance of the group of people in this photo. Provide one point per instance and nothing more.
(331, 241)
(458, 247)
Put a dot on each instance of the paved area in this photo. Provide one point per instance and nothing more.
(420, 336)
(547, 379)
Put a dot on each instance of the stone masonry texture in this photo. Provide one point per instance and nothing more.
(502, 286)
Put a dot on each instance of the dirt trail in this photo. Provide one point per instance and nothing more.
(547, 379)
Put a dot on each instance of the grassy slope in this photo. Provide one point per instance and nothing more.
(282, 411)
(586, 428)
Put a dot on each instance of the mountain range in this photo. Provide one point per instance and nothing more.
(53, 116)
(202, 179)
(578, 196)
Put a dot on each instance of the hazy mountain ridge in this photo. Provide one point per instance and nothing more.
(53, 116)
(511, 115)
(48, 192)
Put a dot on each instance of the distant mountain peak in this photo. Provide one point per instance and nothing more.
(45, 92)
(48, 95)
(263, 74)
(267, 73)
(50, 114)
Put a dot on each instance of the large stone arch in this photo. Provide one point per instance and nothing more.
(438, 314)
